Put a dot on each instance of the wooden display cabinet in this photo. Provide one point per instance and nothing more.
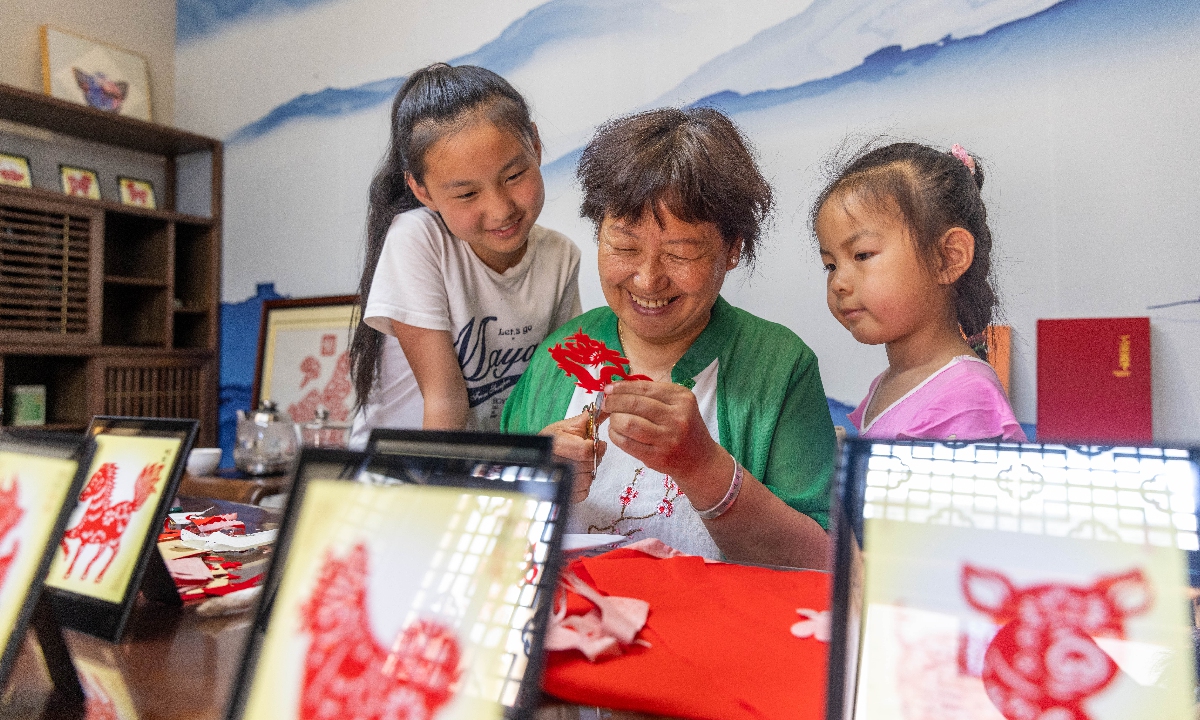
(113, 308)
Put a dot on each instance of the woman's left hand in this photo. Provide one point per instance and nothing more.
(659, 423)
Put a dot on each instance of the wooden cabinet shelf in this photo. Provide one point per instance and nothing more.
(113, 308)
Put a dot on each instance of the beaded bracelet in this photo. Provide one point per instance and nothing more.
(726, 502)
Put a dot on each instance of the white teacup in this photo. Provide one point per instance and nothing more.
(203, 461)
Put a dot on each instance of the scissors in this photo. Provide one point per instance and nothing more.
(593, 411)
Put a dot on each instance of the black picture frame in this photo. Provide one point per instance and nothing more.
(497, 448)
(33, 607)
(847, 525)
(106, 619)
(550, 482)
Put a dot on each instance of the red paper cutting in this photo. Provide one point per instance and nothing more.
(579, 352)
(104, 524)
(10, 515)
(348, 673)
(1044, 661)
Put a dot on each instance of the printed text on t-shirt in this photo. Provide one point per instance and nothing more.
(489, 372)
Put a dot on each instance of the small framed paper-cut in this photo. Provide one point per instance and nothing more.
(362, 572)
(139, 193)
(109, 550)
(94, 74)
(14, 171)
(79, 182)
(304, 356)
(39, 474)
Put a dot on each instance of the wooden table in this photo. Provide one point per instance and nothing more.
(238, 489)
(172, 664)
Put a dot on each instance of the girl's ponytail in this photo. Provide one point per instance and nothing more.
(429, 105)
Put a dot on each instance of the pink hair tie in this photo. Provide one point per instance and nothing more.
(961, 153)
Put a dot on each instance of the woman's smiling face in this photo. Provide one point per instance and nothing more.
(662, 280)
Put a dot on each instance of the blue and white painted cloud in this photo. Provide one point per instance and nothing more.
(195, 19)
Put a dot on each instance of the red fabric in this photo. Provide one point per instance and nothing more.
(1093, 380)
(720, 636)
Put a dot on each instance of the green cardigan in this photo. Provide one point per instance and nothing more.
(771, 409)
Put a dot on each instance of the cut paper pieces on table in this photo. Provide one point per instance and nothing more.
(718, 640)
(605, 630)
(591, 362)
(220, 542)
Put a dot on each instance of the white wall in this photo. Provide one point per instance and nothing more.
(146, 27)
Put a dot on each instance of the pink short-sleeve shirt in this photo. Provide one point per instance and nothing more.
(963, 400)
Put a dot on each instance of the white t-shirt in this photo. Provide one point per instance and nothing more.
(430, 279)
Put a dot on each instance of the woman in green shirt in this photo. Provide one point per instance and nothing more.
(728, 451)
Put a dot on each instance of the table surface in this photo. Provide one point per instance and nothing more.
(172, 664)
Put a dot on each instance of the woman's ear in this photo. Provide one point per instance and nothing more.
(957, 253)
(734, 254)
(419, 191)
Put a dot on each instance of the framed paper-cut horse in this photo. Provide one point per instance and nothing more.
(108, 550)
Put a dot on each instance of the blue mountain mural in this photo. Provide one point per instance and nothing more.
(198, 18)
(554, 22)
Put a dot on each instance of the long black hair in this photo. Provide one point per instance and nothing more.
(433, 102)
(934, 191)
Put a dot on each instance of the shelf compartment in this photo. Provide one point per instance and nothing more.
(164, 387)
(46, 273)
(136, 247)
(197, 258)
(65, 378)
(134, 315)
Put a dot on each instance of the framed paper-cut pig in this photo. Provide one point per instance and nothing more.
(1012, 582)
(407, 586)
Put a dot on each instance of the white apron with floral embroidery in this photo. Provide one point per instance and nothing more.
(627, 498)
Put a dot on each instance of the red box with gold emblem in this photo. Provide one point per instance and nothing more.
(1093, 379)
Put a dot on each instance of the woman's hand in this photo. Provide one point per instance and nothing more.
(572, 444)
(659, 423)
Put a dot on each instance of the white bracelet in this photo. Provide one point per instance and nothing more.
(735, 487)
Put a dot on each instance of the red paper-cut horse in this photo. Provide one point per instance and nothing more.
(348, 674)
(103, 524)
(1044, 662)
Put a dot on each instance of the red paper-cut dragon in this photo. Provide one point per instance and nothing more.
(10, 515)
(348, 674)
(104, 524)
(579, 352)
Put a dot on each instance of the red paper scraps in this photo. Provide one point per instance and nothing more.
(579, 353)
(720, 636)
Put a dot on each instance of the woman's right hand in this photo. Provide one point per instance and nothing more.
(572, 445)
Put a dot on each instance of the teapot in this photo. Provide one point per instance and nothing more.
(267, 441)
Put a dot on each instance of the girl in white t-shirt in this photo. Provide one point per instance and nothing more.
(455, 269)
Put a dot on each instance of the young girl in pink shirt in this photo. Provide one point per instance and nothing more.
(906, 246)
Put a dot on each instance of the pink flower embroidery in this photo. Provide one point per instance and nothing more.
(628, 495)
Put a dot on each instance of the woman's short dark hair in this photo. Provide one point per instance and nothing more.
(694, 162)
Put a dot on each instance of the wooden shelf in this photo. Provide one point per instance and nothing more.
(134, 281)
(67, 118)
(96, 281)
(112, 206)
(49, 427)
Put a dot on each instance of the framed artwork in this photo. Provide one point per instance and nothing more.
(1006, 581)
(304, 356)
(79, 182)
(139, 193)
(109, 549)
(437, 582)
(39, 474)
(95, 74)
(14, 171)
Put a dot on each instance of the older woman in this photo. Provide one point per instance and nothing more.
(728, 450)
